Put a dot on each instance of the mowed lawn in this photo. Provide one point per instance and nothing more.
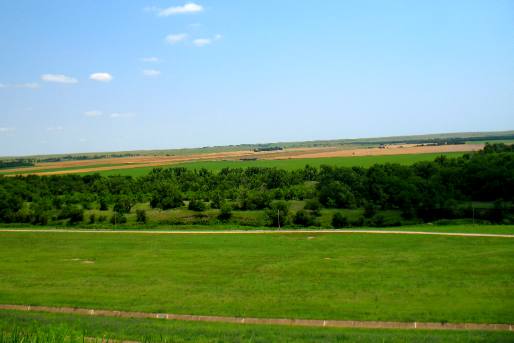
(322, 276)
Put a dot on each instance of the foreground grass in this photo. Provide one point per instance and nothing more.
(145, 330)
(291, 164)
(321, 276)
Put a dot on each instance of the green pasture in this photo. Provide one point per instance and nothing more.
(321, 276)
(44, 327)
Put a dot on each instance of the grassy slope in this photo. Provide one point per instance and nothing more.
(291, 164)
(175, 331)
(361, 277)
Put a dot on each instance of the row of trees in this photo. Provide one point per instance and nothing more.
(424, 191)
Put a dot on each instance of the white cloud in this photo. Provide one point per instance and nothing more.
(93, 113)
(199, 42)
(121, 115)
(189, 7)
(55, 128)
(2, 85)
(218, 37)
(151, 72)
(150, 59)
(6, 129)
(102, 77)
(175, 38)
(58, 78)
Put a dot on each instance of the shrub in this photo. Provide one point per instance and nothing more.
(92, 218)
(118, 218)
(166, 196)
(123, 204)
(277, 214)
(225, 212)
(196, 205)
(339, 220)
(303, 218)
(313, 205)
(141, 216)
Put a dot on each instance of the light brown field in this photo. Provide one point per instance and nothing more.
(294, 153)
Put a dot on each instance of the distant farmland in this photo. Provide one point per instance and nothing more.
(288, 161)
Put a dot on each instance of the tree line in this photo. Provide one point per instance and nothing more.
(424, 192)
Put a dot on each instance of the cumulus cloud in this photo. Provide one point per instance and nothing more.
(175, 38)
(102, 77)
(199, 42)
(187, 8)
(150, 59)
(93, 113)
(121, 115)
(58, 78)
(151, 72)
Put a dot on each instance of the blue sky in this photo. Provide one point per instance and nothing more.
(101, 75)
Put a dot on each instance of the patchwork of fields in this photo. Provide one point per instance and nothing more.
(287, 159)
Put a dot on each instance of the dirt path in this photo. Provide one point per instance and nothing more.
(263, 232)
(266, 321)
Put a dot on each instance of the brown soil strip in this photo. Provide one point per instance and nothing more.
(393, 150)
(266, 321)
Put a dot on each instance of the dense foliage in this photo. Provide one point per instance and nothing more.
(425, 191)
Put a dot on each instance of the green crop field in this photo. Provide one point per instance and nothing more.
(323, 276)
(291, 164)
(44, 327)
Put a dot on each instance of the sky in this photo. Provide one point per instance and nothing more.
(111, 75)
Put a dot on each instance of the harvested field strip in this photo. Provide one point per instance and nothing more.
(266, 321)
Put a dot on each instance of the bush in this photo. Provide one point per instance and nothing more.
(339, 220)
(225, 212)
(73, 213)
(313, 205)
(303, 218)
(92, 218)
(196, 205)
(141, 216)
(118, 218)
(277, 214)
(123, 204)
(166, 196)
(103, 204)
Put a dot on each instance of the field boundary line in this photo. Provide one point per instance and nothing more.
(264, 321)
(232, 232)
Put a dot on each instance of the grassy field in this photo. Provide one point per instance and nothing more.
(323, 276)
(47, 327)
(291, 164)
